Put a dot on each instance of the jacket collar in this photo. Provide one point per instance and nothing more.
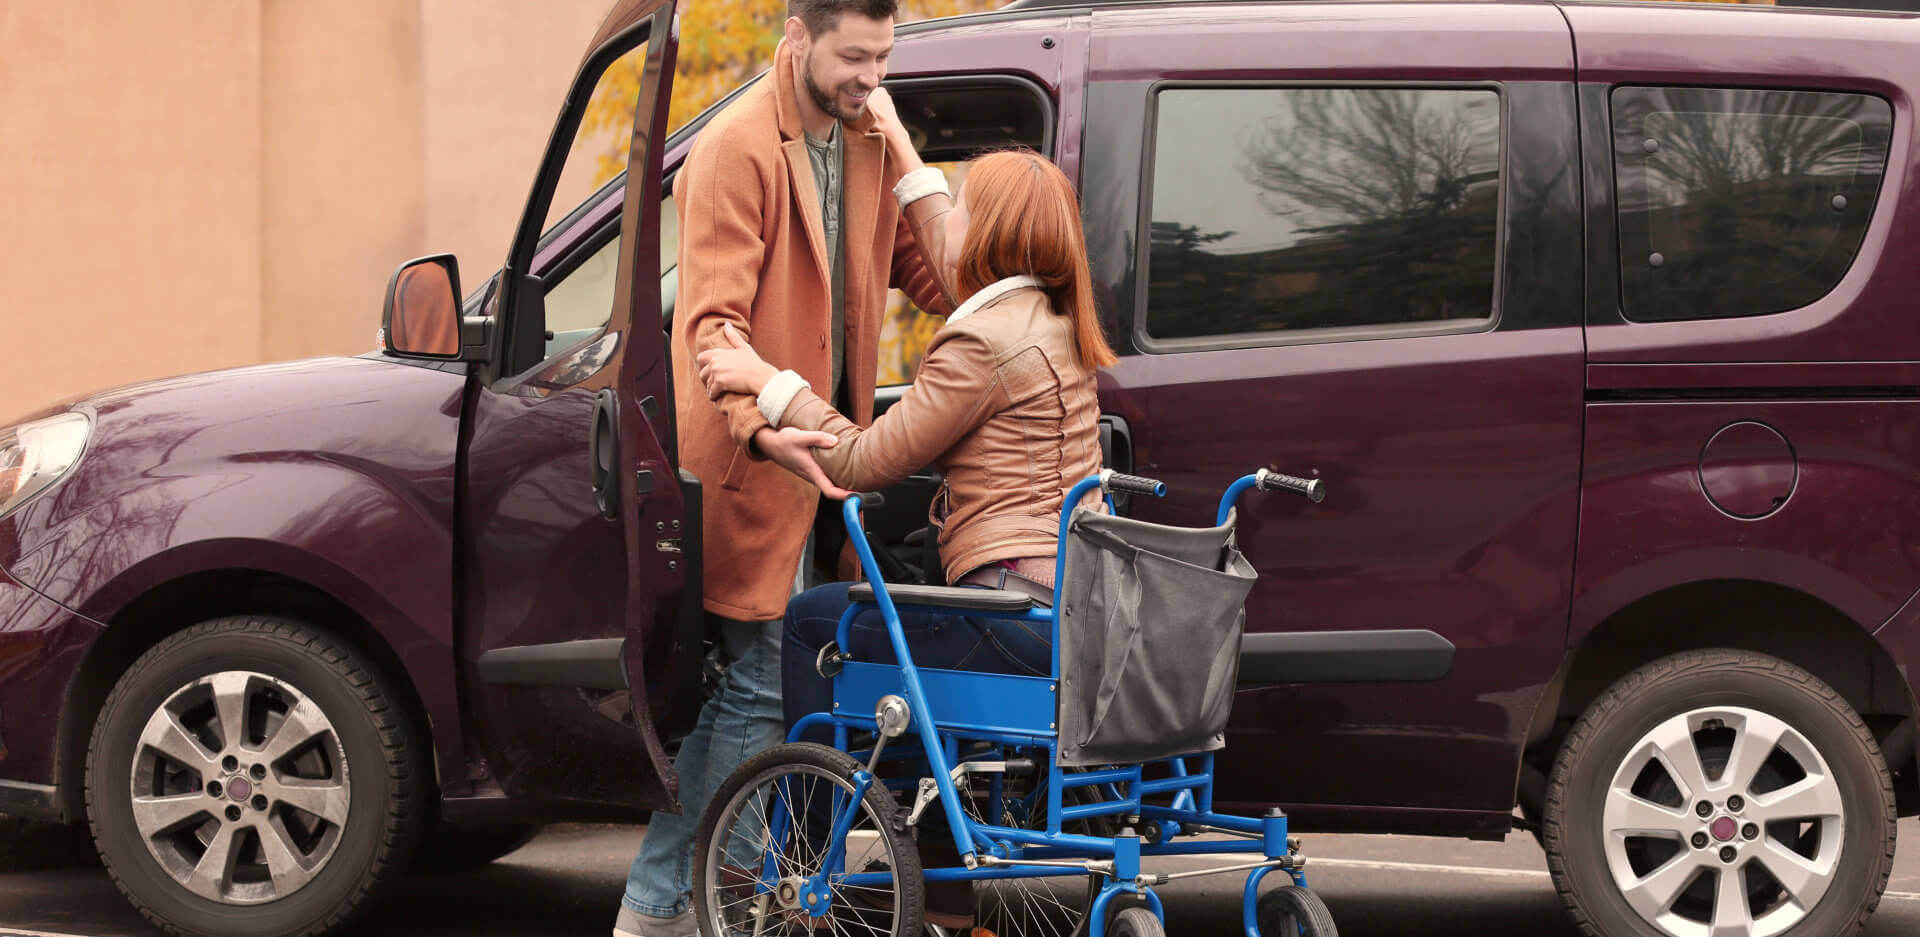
(787, 102)
(991, 292)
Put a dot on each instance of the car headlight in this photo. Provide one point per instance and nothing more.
(35, 455)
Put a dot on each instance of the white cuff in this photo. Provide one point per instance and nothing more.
(779, 392)
(920, 183)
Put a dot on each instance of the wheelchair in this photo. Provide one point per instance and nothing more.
(1053, 791)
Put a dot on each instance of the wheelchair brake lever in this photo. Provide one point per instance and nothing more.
(929, 792)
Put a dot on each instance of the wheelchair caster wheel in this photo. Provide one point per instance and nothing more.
(1136, 922)
(1293, 911)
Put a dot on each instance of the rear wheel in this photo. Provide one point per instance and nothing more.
(253, 777)
(1040, 906)
(1720, 792)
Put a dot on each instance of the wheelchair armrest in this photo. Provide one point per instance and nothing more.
(980, 600)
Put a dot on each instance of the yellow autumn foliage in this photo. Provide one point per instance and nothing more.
(722, 44)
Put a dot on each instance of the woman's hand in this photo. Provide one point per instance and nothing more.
(886, 120)
(737, 369)
(792, 449)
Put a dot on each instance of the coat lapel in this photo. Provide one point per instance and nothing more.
(800, 181)
(862, 179)
(806, 193)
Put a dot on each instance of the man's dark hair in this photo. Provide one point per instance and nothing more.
(823, 16)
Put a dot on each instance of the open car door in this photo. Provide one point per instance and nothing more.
(580, 543)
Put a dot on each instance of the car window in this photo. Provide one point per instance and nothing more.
(1294, 212)
(950, 122)
(1741, 202)
(580, 298)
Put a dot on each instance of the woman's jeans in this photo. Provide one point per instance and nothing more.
(946, 642)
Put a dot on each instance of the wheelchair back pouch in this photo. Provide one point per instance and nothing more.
(1151, 618)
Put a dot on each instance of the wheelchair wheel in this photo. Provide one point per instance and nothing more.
(1293, 911)
(776, 809)
(1136, 922)
(1048, 906)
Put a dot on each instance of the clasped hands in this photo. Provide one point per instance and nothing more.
(738, 369)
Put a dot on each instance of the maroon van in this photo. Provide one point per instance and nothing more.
(1598, 320)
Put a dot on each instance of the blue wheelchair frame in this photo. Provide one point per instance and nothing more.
(1004, 710)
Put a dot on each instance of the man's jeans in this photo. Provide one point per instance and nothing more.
(741, 720)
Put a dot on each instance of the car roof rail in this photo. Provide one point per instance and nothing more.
(1054, 4)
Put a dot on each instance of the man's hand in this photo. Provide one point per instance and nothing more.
(792, 449)
(736, 369)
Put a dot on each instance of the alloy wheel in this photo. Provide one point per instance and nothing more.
(240, 787)
(1723, 820)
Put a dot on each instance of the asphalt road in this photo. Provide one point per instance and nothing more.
(567, 882)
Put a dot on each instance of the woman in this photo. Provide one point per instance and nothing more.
(1003, 404)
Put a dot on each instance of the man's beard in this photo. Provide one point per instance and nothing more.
(825, 100)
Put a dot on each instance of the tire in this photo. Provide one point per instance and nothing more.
(458, 849)
(1136, 922)
(1799, 804)
(730, 841)
(1027, 907)
(313, 796)
(1292, 911)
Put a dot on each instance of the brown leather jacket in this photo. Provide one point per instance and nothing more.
(1003, 407)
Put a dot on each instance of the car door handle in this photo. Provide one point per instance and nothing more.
(603, 453)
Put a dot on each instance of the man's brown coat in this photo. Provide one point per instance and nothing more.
(753, 253)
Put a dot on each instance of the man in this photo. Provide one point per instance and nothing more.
(786, 235)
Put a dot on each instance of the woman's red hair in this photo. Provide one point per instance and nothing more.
(1025, 220)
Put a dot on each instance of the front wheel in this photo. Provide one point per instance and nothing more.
(765, 834)
(1292, 911)
(253, 776)
(1720, 792)
(1136, 922)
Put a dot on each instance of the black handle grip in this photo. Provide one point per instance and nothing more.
(871, 500)
(1135, 485)
(1314, 489)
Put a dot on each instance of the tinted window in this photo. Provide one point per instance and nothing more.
(1741, 203)
(1321, 208)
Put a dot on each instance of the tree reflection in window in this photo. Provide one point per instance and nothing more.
(1741, 202)
(1322, 208)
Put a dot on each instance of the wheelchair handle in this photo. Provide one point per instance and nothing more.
(1132, 484)
(1313, 489)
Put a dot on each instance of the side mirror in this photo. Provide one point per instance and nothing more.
(422, 315)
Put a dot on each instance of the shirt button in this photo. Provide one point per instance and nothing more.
(823, 341)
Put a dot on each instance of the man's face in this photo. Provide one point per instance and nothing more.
(843, 64)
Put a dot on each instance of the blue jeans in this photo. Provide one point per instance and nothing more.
(947, 642)
(738, 722)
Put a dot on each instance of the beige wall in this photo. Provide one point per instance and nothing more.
(192, 184)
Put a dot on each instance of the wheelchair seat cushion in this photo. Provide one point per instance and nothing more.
(979, 600)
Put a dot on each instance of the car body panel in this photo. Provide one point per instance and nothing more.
(1452, 461)
(1844, 534)
(1868, 316)
(41, 645)
(336, 472)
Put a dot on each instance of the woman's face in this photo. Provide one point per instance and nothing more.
(956, 231)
